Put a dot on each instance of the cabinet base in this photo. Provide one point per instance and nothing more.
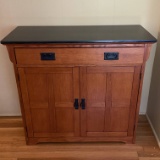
(33, 141)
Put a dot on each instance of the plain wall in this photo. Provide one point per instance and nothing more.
(70, 12)
(153, 110)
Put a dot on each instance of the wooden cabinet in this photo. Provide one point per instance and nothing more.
(79, 91)
(85, 99)
(106, 97)
(91, 101)
(109, 95)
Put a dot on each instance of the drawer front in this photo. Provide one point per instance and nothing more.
(79, 56)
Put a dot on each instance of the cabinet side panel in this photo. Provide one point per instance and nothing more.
(25, 100)
(134, 100)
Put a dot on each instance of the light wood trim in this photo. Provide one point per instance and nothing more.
(41, 135)
(80, 45)
(64, 104)
(61, 66)
(103, 134)
(48, 70)
(109, 69)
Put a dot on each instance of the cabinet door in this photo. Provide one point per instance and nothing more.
(48, 96)
(110, 94)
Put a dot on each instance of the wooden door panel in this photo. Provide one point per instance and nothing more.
(37, 86)
(63, 87)
(51, 94)
(121, 89)
(119, 119)
(95, 100)
(64, 120)
(96, 83)
(95, 119)
(38, 90)
(108, 93)
(120, 103)
(63, 102)
(41, 120)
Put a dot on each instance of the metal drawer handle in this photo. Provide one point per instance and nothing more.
(48, 56)
(111, 55)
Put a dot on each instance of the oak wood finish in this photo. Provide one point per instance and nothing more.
(79, 56)
(108, 105)
(48, 90)
(51, 111)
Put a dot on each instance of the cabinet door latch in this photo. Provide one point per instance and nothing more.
(76, 105)
(83, 104)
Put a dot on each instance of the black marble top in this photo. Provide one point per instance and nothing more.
(79, 34)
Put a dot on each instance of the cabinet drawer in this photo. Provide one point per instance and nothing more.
(79, 56)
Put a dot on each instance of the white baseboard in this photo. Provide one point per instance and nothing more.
(10, 115)
(142, 113)
(154, 132)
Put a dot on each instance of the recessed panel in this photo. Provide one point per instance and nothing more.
(121, 84)
(40, 120)
(64, 120)
(37, 90)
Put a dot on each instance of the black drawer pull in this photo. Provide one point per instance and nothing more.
(48, 56)
(111, 55)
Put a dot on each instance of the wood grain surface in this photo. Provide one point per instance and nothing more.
(13, 146)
